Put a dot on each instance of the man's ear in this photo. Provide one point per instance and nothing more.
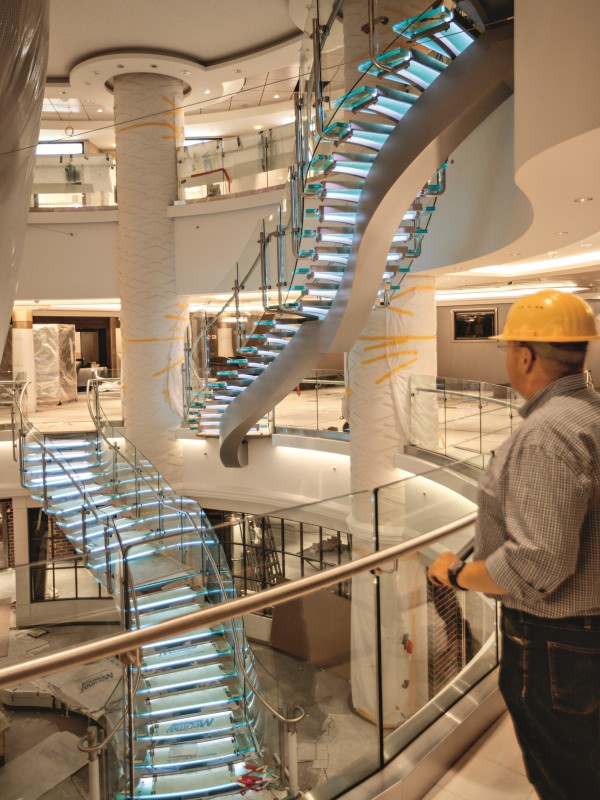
(529, 357)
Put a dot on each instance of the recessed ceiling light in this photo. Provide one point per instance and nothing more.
(561, 233)
(552, 253)
(585, 244)
(237, 71)
(258, 127)
(184, 72)
(63, 92)
(99, 110)
(276, 96)
(583, 200)
(514, 254)
(207, 91)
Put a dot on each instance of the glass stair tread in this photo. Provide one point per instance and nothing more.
(182, 756)
(203, 698)
(409, 67)
(189, 784)
(440, 29)
(165, 597)
(177, 657)
(194, 727)
(158, 570)
(154, 616)
(184, 678)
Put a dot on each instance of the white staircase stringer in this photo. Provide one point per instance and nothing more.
(468, 91)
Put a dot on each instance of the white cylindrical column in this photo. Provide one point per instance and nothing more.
(149, 124)
(397, 343)
(23, 355)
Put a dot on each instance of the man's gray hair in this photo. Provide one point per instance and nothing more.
(570, 353)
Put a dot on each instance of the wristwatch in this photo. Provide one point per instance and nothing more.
(454, 571)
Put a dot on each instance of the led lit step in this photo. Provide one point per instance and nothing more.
(189, 784)
(193, 754)
(446, 32)
(168, 597)
(409, 67)
(384, 100)
(184, 656)
(372, 135)
(200, 699)
(192, 727)
(180, 679)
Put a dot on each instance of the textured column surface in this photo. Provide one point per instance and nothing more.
(153, 319)
(23, 58)
(397, 343)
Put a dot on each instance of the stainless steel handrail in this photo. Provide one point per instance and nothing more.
(133, 640)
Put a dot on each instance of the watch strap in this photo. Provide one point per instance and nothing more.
(454, 571)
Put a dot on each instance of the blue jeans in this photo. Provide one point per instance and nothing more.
(550, 681)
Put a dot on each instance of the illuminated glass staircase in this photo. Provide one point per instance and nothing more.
(331, 186)
(196, 727)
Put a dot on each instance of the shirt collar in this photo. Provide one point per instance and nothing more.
(567, 385)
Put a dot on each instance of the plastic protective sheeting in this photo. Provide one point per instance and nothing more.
(23, 59)
(55, 366)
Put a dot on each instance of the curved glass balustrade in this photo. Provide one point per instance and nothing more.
(473, 417)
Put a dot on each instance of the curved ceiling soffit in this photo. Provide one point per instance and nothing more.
(476, 84)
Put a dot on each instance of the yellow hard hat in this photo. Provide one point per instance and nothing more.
(549, 316)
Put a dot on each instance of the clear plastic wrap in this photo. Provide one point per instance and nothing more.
(23, 59)
(55, 366)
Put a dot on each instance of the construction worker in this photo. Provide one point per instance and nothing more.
(537, 546)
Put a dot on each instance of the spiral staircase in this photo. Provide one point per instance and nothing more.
(377, 153)
(194, 726)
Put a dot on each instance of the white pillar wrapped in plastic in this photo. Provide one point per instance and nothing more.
(23, 355)
(153, 319)
(398, 342)
(23, 58)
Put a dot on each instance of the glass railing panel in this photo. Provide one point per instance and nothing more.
(315, 405)
(236, 164)
(74, 181)
(471, 416)
(431, 637)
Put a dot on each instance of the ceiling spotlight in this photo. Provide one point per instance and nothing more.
(585, 244)
(63, 92)
(583, 200)
(552, 253)
(99, 110)
(184, 72)
(561, 233)
(276, 96)
(258, 127)
(237, 71)
(514, 254)
(207, 91)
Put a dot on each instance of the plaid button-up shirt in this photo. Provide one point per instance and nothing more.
(539, 505)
